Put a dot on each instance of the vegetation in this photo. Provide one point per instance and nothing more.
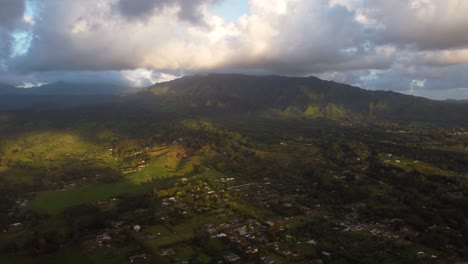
(264, 177)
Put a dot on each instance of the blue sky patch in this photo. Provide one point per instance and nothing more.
(231, 10)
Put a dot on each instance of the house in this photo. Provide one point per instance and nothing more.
(251, 250)
(421, 255)
(118, 224)
(167, 252)
(267, 260)
(24, 203)
(142, 256)
(16, 226)
(221, 235)
(103, 239)
(242, 230)
(231, 257)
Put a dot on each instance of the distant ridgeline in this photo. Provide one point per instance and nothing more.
(58, 94)
(292, 97)
(264, 96)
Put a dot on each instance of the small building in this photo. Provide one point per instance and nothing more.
(231, 257)
(221, 235)
(267, 260)
(102, 239)
(421, 255)
(167, 252)
(137, 228)
(135, 258)
(251, 250)
(118, 224)
(242, 230)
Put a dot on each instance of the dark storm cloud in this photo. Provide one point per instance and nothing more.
(4, 44)
(11, 11)
(141, 9)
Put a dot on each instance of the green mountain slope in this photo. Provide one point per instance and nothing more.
(291, 97)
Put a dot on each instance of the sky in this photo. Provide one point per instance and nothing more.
(417, 47)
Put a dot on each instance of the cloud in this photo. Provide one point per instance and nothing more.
(147, 77)
(91, 35)
(11, 12)
(442, 57)
(188, 10)
(375, 44)
(4, 44)
(427, 24)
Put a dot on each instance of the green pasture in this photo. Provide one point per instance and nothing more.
(54, 202)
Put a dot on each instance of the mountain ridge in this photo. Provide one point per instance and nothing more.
(271, 96)
(292, 97)
(66, 88)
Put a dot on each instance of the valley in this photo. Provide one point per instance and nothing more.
(126, 185)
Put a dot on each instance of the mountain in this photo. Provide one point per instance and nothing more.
(266, 96)
(64, 88)
(291, 97)
(7, 89)
(59, 94)
(454, 101)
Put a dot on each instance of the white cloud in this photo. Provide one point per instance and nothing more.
(417, 84)
(29, 20)
(147, 77)
(442, 57)
(283, 36)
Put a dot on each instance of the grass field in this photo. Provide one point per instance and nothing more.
(45, 147)
(166, 162)
(176, 234)
(209, 175)
(53, 202)
(17, 175)
(69, 255)
(162, 230)
(421, 167)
